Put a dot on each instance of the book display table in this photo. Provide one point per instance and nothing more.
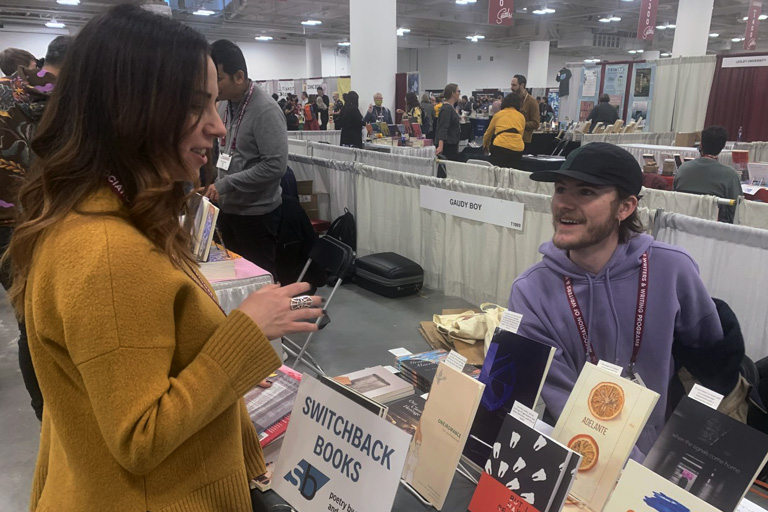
(662, 152)
(423, 152)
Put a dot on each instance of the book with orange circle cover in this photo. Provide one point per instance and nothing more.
(602, 421)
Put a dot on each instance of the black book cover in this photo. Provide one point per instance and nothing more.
(530, 464)
(708, 454)
(406, 413)
(360, 399)
(514, 370)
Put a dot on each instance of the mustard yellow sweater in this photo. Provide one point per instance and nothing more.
(501, 121)
(142, 375)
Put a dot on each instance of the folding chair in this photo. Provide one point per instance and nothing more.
(336, 258)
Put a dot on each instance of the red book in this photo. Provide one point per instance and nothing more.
(491, 494)
(270, 408)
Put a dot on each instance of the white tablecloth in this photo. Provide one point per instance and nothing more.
(248, 278)
(423, 152)
(662, 152)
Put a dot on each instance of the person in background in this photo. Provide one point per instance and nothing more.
(600, 255)
(427, 112)
(377, 112)
(413, 109)
(304, 98)
(707, 176)
(23, 99)
(311, 122)
(275, 96)
(529, 108)
(496, 105)
(256, 143)
(337, 106)
(291, 115)
(448, 131)
(504, 136)
(142, 372)
(351, 122)
(603, 112)
(11, 59)
(323, 112)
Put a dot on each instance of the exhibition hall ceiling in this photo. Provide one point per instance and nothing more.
(574, 27)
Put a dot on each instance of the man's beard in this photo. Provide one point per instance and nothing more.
(593, 236)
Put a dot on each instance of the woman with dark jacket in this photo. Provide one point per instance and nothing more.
(448, 131)
(351, 122)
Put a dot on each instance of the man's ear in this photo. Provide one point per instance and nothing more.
(627, 207)
(239, 77)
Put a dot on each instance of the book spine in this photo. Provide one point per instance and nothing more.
(274, 432)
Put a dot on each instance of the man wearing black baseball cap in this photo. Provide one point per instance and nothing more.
(604, 290)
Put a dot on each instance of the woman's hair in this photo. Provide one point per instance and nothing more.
(449, 90)
(122, 105)
(425, 98)
(320, 103)
(12, 58)
(411, 100)
(511, 100)
(351, 100)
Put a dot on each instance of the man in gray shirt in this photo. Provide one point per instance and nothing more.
(707, 176)
(253, 159)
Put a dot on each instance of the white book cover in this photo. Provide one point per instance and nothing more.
(378, 383)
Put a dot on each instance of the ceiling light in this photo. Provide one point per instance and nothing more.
(737, 39)
(203, 12)
(714, 34)
(465, 2)
(661, 27)
(632, 51)
(671, 25)
(403, 31)
(475, 38)
(544, 10)
(344, 43)
(665, 54)
(605, 20)
(640, 51)
(763, 17)
(263, 38)
(55, 24)
(311, 22)
(68, 2)
(615, 18)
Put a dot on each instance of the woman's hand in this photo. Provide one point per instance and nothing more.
(439, 148)
(270, 309)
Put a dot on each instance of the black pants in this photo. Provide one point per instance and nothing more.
(25, 359)
(503, 157)
(451, 152)
(254, 237)
(257, 503)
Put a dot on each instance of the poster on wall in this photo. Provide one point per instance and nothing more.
(584, 109)
(642, 83)
(615, 84)
(641, 94)
(553, 98)
(413, 82)
(285, 87)
(590, 79)
(313, 83)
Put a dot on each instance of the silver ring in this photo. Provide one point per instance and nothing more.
(304, 301)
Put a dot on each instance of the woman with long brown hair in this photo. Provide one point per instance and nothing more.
(141, 371)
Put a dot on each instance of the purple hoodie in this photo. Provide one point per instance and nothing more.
(678, 307)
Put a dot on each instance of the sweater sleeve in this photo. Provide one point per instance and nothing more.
(272, 141)
(252, 453)
(488, 135)
(533, 119)
(117, 313)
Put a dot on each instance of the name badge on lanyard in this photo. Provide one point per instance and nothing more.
(224, 161)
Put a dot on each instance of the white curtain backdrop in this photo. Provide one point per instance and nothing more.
(753, 214)
(332, 137)
(319, 150)
(402, 163)
(333, 181)
(731, 261)
(693, 205)
(693, 87)
(664, 91)
(464, 258)
(298, 147)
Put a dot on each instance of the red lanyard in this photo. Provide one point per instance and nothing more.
(119, 190)
(578, 316)
(239, 120)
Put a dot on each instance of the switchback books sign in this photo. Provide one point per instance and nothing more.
(500, 12)
(337, 456)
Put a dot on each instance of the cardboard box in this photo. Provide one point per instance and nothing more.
(305, 187)
(687, 140)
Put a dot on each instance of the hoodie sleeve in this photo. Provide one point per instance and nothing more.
(535, 325)
(697, 324)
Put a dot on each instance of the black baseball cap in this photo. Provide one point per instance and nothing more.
(599, 163)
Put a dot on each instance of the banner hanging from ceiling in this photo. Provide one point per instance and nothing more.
(647, 24)
(753, 21)
(500, 12)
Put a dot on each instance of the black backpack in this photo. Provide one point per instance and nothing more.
(344, 229)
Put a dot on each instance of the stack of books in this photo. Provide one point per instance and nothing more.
(378, 384)
(419, 369)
